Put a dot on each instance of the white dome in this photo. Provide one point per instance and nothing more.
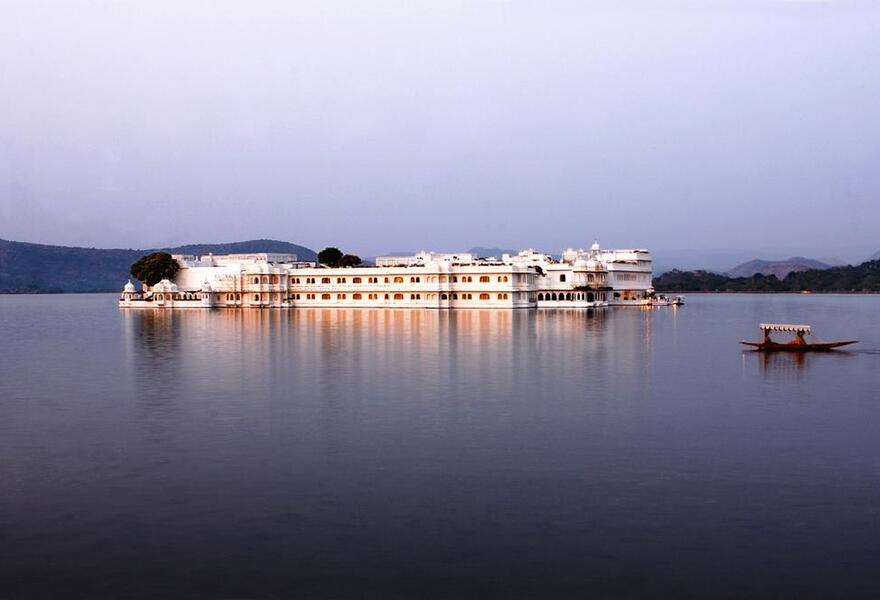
(595, 247)
(592, 264)
(165, 286)
(129, 287)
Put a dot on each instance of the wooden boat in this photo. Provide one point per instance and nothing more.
(798, 344)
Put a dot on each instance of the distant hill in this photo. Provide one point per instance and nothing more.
(779, 268)
(35, 268)
(875, 256)
(860, 278)
(486, 252)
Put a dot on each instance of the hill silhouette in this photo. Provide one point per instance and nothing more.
(779, 268)
(860, 278)
(41, 268)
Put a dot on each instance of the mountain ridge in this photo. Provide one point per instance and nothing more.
(27, 267)
(779, 268)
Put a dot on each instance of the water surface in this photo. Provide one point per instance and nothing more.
(429, 454)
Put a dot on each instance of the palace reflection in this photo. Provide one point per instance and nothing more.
(342, 357)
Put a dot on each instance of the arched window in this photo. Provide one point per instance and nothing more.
(484, 279)
(484, 296)
(562, 277)
(356, 280)
(256, 297)
(325, 296)
(444, 297)
(568, 296)
(554, 297)
(398, 280)
(340, 296)
(540, 297)
(398, 296)
(355, 296)
(590, 296)
(256, 280)
(340, 280)
(325, 280)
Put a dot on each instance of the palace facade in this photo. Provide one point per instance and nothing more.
(529, 279)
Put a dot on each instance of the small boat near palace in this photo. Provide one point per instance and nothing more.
(797, 344)
(661, 300)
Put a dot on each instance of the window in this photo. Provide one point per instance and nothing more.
(484, 279)
(355, 296)
(265, 279)
(415, 296)
(484, 296)
(562, 277)
(340, 296)
(415, 279)
(502, 296)
(398, 296)
(296, 279)
(256, 297)
(453, 279)
(455, 296)
(325, 280)
(398, 280)
(444, 297)
(356, 280)
(256, 280)
(502, 278)
(540, 297)
(340, 280)
(386, 280)
(325, 296)
(386, 296)
(372, 280)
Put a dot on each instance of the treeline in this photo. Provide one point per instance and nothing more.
(860, 278)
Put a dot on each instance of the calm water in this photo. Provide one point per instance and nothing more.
(370, 454)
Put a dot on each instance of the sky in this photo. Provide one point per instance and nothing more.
(742, 126)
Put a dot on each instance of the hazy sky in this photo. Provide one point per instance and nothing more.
(380, 126)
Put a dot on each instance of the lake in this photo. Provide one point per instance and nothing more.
(319, 453)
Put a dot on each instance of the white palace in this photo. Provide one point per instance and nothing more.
(530, 279)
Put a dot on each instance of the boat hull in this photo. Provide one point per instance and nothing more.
(775, 347)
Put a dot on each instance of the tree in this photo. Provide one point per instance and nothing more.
(330, 256)
(153, 268)
(349, 260)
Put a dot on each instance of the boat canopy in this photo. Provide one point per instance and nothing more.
(784, 327)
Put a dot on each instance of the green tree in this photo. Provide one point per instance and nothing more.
(349, 260)
(153, 268)
(330, 256)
